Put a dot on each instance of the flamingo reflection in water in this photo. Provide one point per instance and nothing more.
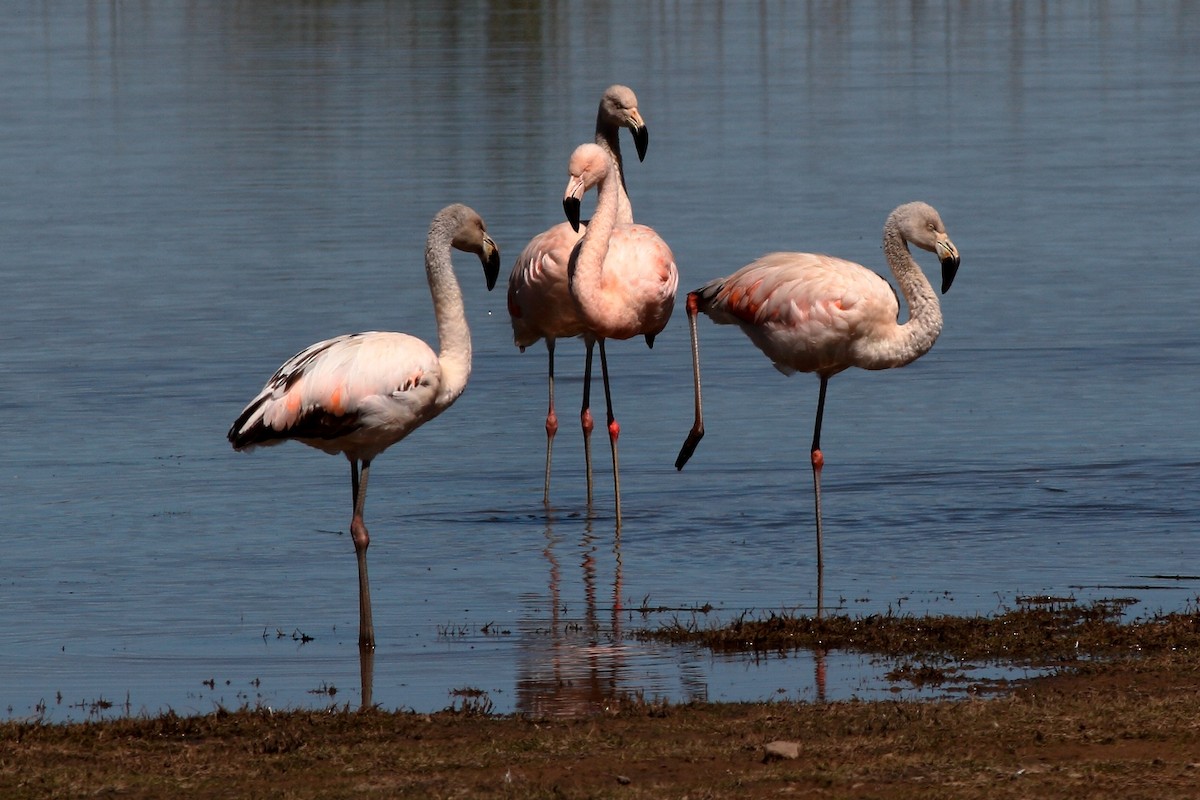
(574, 665)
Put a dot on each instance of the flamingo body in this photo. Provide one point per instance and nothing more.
(808, 312)
(635, 293)
(539, 303)
(356, 394)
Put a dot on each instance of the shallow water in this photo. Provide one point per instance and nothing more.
(195, 191)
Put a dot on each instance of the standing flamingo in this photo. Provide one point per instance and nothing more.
(538, 300)
(817, 313)
(360, 393)
(622, 277)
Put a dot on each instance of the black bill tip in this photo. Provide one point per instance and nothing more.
(641, 140)
(571, 207)
(949, 270)
(491, 267)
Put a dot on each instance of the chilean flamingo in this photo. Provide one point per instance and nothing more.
(361, 393)
(622, 277)
(817, 313)
(538, 301)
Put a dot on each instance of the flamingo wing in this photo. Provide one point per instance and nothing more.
(539, 301)
(357, 393)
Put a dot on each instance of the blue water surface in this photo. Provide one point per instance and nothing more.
(194, 191)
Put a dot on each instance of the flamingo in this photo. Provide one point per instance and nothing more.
(361, 393)
(621, 276)
(538, 301)
(817, 313)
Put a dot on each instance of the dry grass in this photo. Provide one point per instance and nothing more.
(1043, 630)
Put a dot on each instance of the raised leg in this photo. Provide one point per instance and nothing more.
(585, 417)
(818, 461)
(697, 432)
(358, 532)
(614, 432)
(551, 420)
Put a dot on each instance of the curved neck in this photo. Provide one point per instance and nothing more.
(585, 272)
(454, 337)
(607, 136)
(914, 338)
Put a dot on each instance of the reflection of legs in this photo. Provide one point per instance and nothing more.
(818, 461)
(366, 672)
(614, 431)
(358, 532)
(819, 673)
(616, 609)
(585, 417)
(551, 420)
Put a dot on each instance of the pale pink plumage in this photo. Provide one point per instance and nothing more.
(539, 302)
(356, 394)
(817, 313)
(809, 312)
(360, 393)
(622, 277)
(633, 294)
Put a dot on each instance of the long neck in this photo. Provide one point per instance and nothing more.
(914, 338)
(454, 337)
(607, 136)
(586, 270)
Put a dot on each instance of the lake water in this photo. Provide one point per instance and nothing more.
(193, 191)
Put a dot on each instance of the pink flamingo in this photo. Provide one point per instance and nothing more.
(538, 300)
(361, 393)
(817, 313)
(621, 276)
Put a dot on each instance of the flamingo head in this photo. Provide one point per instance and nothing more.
(920, 224)
(619, 109)
(472, 237)
(588, 166)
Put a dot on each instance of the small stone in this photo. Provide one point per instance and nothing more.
(624, 780)
(779, 749)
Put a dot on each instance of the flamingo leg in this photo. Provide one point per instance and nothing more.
(614, 431)
(358, 532)
(585, 417)
(818, 461)
(551, 420)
